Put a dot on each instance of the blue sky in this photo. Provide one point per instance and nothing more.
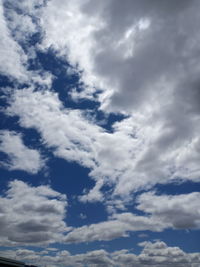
(99, 138)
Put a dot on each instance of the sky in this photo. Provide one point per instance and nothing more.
(99, 137)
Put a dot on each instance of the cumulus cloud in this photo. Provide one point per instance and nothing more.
(126, 57)
(137, 58)
(65, 130)
(22, 19)
(12, 56)
(181, 211)
(19, 23)
(72, 137)
(129, 158)
(31, 215)
(159, 254)
(118, 226)
(112, 157)
(160, 212)
(20, 156)
(147, 65)
(156, 254)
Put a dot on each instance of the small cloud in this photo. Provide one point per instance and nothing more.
(83, 216)
(20, 156)
(143, 235)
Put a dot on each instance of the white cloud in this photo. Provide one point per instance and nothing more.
(20, 25)
(158, 142)
(31, 215)
(147, 65)
(118, 226)
(112, 157)
(65, 130)
(12, 57)
(160, 212)
(123, 56)
(129, 159)
(156, 254)
(27, 7)
(159, 254)
(181, 211)
(19, 22)
(69, 43)
(20, 156)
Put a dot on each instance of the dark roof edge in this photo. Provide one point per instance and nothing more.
(6, 260)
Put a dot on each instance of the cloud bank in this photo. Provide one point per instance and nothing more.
(156, 254)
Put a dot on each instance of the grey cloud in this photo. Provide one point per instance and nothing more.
(181, 211)
(163, 69)
(44, 208)
(160, 212)
(146, 63)
(30, 238)
(33, 226)
(98, 258)
(160, 254)
(20, 21)
(134, 156)
(11, 54)
(145, 57)
(26, 224)
(156, 254)
(159, 52)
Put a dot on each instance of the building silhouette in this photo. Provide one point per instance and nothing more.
(5, 262)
